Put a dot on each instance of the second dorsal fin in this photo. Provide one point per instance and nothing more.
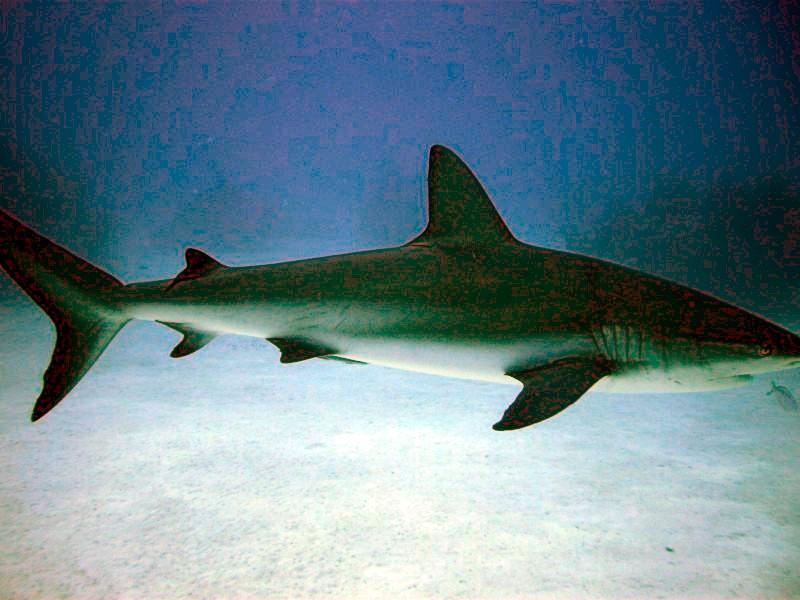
(459, 209)
(198, 263)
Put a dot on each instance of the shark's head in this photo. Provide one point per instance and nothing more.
(774, 349)
(735, 342)
(703, 343)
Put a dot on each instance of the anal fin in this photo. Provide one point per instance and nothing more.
(550, 389)
(193, 339)
(298, 349)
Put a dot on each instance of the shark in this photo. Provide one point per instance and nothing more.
(463, 298)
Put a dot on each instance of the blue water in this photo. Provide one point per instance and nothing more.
(663, 137)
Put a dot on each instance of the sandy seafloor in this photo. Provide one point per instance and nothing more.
(228, 475)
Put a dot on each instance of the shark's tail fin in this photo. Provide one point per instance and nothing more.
(77, 296)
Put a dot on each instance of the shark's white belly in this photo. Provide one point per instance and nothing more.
(651, 379)
(485, 365)
(483, 360)
(462, 361)
(488, 362)
(487, 359)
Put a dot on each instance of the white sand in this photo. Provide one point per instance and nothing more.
(228, 475)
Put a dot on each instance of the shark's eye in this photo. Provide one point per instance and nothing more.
(765, 350)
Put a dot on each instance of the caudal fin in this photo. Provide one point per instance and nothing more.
(77, 296)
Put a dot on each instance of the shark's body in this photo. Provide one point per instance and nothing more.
(464, 298)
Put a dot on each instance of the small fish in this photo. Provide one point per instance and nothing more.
(784, 396)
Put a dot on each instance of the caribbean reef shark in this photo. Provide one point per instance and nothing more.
(464, 298)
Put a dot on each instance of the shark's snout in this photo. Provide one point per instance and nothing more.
(782, 348)
(787, 344)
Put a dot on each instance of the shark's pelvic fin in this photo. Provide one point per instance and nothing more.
(459, 210)
(550, 389)
(193, 339)
(198, 264)
(297, 349)
(73, 293)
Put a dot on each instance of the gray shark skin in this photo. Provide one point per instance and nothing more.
(464, 298)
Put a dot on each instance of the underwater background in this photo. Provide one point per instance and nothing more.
(663, 136)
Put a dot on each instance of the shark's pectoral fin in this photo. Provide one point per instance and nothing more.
(297, 349)
(193, 339)
(198, 264)
(550, 389)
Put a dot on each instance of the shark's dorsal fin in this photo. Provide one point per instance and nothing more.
(198, 263)
(460, 212)
(297, 349)
(193, 339)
